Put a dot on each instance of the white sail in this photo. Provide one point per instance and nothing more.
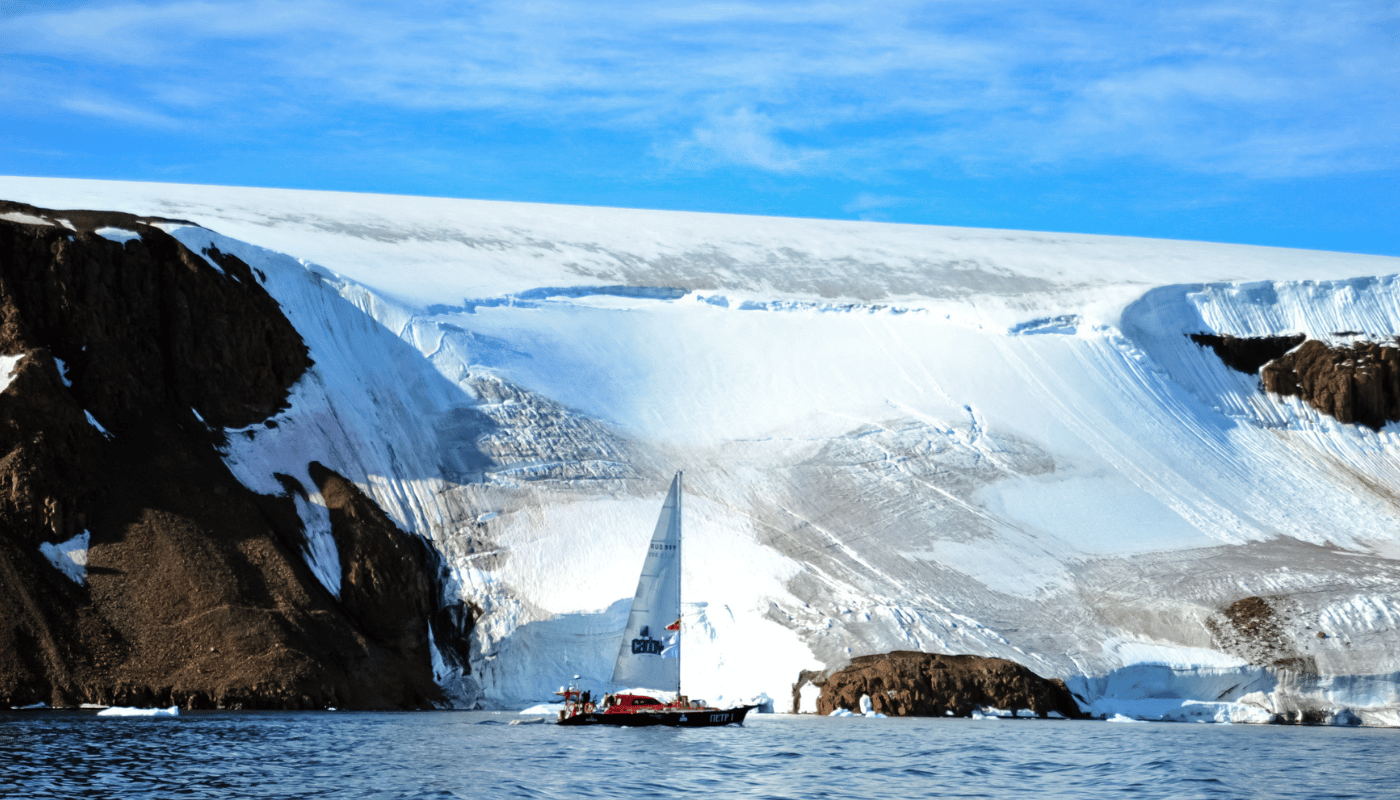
(650, 656)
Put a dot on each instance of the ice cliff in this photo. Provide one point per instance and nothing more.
(895, 438)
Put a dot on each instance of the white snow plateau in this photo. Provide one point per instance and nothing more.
(894, 437)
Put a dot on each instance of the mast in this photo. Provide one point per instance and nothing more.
(650, 653)
(680, 614)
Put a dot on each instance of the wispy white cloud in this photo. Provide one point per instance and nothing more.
(745, 138)
(1283, 87)
(873, 207)
(119, 111)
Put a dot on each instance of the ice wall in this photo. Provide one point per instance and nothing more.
(895, 479)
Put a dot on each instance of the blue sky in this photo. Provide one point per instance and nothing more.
(1260, 122)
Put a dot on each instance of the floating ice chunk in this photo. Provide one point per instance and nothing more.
(7, 367)
(94, 423)
(69, 557)
(841, 712)
(1121, 718)
(118, 235)
(547, 709)
(125, 711)
(30, 707)
(980, 715)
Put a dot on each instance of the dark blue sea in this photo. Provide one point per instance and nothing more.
(71, 754)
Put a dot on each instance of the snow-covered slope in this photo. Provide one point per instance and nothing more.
(894, 437)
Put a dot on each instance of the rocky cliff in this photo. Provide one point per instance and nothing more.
(134, 568)
(911, 684)
(1354, 382)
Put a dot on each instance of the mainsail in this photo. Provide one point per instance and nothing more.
(651, 643)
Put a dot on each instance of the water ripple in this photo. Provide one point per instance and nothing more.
(434, 756)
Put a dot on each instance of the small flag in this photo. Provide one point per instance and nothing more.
(674, 626)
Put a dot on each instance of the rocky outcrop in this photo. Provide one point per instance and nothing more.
(1247, 353)
(1354, 383)
(912, 684)
(134, 354)
(1358, 383)
(1253, 629)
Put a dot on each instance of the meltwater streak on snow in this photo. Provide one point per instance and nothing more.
(902, 437)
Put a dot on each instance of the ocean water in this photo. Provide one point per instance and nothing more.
(50, 754)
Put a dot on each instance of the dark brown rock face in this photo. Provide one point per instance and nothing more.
(1248, 353)
(1360, 383)
(196, 593)
(912, 684)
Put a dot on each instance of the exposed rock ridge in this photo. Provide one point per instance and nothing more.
(912, 684)
(133, 354)
(1355, 383)
(1253, 628)
(1360, 383)
(1247, 353)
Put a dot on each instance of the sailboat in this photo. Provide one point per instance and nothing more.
(650, 655)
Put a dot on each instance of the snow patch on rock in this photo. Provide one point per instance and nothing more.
(118, 235)
(70, 557)
(7, 370)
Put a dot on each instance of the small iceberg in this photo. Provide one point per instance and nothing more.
(124, 711)
(549, 709)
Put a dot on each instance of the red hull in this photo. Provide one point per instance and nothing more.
(677, 718)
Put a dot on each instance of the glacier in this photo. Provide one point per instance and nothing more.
(894, 437)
